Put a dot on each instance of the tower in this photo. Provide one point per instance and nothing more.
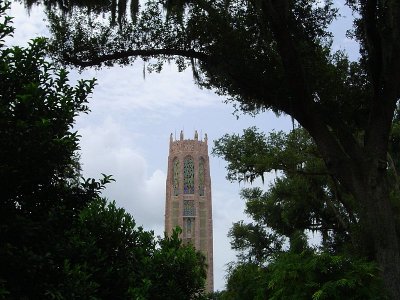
(188, 196)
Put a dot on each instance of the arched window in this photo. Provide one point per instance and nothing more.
(189, 225)
(188, 176)
(201, 177)
(176, 177)
(188, 230)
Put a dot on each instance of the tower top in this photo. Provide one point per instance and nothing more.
(182, 145)
(181, 137)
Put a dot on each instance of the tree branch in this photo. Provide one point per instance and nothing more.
(96, 61)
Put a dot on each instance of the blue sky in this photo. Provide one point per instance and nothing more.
(126, 134)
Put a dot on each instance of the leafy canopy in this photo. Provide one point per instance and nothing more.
(275, 260)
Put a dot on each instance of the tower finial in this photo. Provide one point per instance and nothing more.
(205, 138)
(181, 135)
(196, 135)
(170, 138)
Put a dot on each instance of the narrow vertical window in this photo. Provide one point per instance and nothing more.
(188, 230)
(188, 176)
(176, 177)
(189, 226)
(201, 177)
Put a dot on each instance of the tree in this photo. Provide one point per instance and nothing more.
(107, 257)
(178, 271)
(217, 295)
(37, 166)
(276, 55)
(304, 275)
(246, 280)
(310, 275)
(302, 199)
(304, 196)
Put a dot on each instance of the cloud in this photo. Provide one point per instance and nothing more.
(108, 148)
(28, 27)
(124, 91)
(227, 209)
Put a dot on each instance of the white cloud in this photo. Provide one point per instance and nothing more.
(227, 208)
(27, 27)
(108, 148)
(124, 90)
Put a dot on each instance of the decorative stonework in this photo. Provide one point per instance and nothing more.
(201, 176)
(188, 175)
(188, 208)
(176, 171)
(188, 195)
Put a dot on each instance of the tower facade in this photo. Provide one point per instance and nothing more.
(188, 196)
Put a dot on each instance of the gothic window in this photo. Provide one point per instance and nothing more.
(176, 177)
(188, 176)
(188, 208)
(188, 230)
(201, 177)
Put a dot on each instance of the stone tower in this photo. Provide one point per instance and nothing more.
(188, 196)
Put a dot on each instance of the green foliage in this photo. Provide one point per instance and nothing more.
(310, 275)
(107, 257)
(304, 196)
(37, 166)
(179, 271)
(254, 242)
(305, 275)
(37, 115)
(106, 253)
(217, 295)
(246, 281)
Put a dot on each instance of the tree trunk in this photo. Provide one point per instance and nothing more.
(378, 223)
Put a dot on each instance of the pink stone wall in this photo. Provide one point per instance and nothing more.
(199, 232)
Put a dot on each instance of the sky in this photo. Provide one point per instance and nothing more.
(126, 134)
